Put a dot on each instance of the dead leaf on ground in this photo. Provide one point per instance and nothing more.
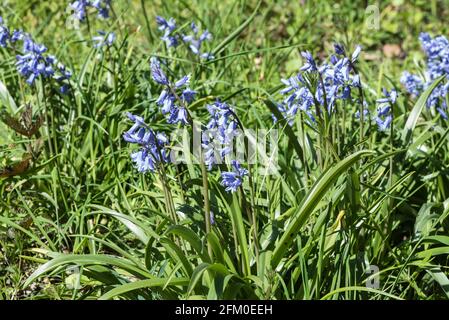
(392, 50)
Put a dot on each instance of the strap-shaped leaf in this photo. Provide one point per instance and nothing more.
(416, 111)
(310, 201)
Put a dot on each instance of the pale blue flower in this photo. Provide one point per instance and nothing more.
(104, 39)
(157, 73)
(153, 146)
(233, 180)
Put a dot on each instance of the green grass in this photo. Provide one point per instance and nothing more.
(321, 222)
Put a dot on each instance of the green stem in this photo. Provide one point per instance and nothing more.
(303, 138)
(253, 211)
(207, 221)
(167, 191)
(203, 173)
(391, 150)
(144, 11)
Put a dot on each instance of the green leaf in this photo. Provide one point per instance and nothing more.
(416, 111)
(199, 271)
(176, 254)
(241, 234)
(6, 99)
(190, 236)
(310, 201)
(441, 278)
(131, 223)
(141, 284)
(86, 259)
(355, 288)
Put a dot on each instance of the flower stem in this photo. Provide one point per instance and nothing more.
(207, 221)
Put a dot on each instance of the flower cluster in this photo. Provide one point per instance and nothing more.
(221, 130)
(217, 143)
(170, 102)
(33, 62)
(384, 113)
(320, 86)
(5, 35)
(173, 100)
(168, 27)
(437, 53)
(194, 40)
(80, 8)
(153, 146)
(233, 180)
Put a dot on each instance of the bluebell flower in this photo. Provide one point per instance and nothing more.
(356, 53)
(17, 35)
(165, 25)
(442, 112)
(63, 76)
(196, 40)
(103, 7)
(4, 35)
(413, 84)
(143, 161)
(437, 54)
(168, 98)
(333, 59)
(356, 81)
(137, 131)
(104, 39)
(310, 64)
(333, 81)
(194, 28)
(384, 123)
(182, 82)
(64, 89)
(188, 95)
(207, 56)
(222, 128)
(32, 62)
(384, 113)
(80, 8)
(365, 113)
(339, 49)
(153, 146)
(233, 180)
(212, 218)
(157, 73)
(389, 97)
(168, 27)
(178, 115)
(193, 40)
